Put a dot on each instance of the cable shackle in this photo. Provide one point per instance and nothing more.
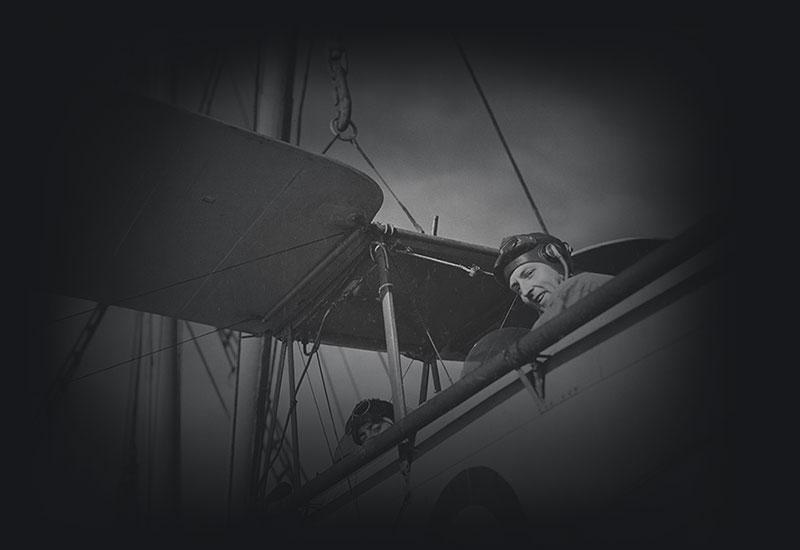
(349, 133)
(338, 65)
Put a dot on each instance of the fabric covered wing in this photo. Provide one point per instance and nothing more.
(158, 209)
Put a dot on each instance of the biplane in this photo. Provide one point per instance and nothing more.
(161, 210)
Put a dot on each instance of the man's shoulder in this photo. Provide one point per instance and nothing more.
(592, 276)
(581, 284)
(588, 279)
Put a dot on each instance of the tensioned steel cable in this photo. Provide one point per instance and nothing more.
(319, 415)
(153, 352)
(208, 368)
(500, 134)
(194, 278)
(232, 451)
(327, 399)
(416, 225)
(303, 92)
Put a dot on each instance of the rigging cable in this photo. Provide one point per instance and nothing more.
(407, 369)
(319, 416)
(126, 490)
(343, 127)
(269, 459)
(210, 90)
(500, 134)
(358, 147)
(208, 369)
(196, 277)
(257, 94)
(233, 433)
(350, 374)
(430, 338)
(335, 432)
(150, 416)
(153, 352)
(327, 399)
(303, 92)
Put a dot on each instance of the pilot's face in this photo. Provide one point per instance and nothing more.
(535, 283)
(373, 428)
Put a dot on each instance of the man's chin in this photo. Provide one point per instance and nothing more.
(535, 306)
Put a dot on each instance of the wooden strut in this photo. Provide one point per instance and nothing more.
(526, 349)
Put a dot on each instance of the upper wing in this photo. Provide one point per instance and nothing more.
(155, 208)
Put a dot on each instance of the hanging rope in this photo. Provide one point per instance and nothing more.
(500, 134)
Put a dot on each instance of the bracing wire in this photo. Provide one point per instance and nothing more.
(319, 416)
(505, 318)
(303, 91)
(232, 452)
(153, 352)
(500, 134)
(196, 277)
(350, 374)
(327, 399)
(292, 407)
(210, 88)
(358, 147)
(208, 369)
(257, 94)
(408, 368)
(130, 474)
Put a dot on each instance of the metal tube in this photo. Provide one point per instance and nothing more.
(293, 409)
(423, 385)
(404, 237)
(437, 384)
(626, 283)
(390, 329)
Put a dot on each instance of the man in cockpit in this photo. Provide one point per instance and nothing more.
(369, 418)
(538, 268)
